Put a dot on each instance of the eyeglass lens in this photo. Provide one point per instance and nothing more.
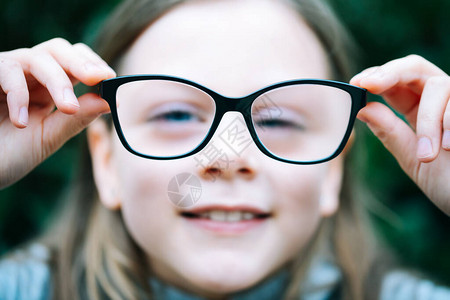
(301, 122)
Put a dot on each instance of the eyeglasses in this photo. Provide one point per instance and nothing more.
(303, 121)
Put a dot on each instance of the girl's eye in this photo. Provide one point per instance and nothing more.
(175, 116)
(279, 124)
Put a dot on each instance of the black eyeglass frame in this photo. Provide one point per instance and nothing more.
(108, 91)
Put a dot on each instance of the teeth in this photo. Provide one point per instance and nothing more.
(225, 216)
(218, 215)
(234, 216)
(248, 216)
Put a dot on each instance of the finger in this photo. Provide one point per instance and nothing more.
(446, 125)
(78, 61)
(412, 71)
(59, 127)
(430, 117)
(394, 133)
(13, 83)
(47, 71)
(88, 52)
(96, 68)
(358, 77)
(400, 81)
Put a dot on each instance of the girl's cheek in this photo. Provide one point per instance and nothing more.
(146, 209)
(302, 182)
(300, 188)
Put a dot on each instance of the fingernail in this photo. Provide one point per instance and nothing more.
(69, 98)
(378, 75)
(357, 76)
(446, 140)
(23, 116)
(362, 118)
(91, 67)
(369, 72)
(424, 148)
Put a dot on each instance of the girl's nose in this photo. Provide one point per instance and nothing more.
(240, 169)
(231, 152)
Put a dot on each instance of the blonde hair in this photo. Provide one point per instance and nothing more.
(94, 257)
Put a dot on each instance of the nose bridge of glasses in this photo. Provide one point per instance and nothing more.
(233, 113)
(227, 104)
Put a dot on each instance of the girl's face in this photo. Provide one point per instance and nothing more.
(232, 47)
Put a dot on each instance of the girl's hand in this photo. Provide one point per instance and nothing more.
(419, 91)
(33, 81)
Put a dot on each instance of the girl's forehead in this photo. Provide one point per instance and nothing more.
(224, 43)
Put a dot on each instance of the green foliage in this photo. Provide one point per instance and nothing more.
(384, 29)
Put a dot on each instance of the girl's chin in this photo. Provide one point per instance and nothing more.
(221, 286)
(223, 279)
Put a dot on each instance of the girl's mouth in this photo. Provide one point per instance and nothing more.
(226, 221)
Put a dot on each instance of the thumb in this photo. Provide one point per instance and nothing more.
(394, 133)
(59, 127)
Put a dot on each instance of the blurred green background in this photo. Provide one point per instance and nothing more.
(384, 29)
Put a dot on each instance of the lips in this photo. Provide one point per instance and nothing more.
(222, 213)
(226, 219)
